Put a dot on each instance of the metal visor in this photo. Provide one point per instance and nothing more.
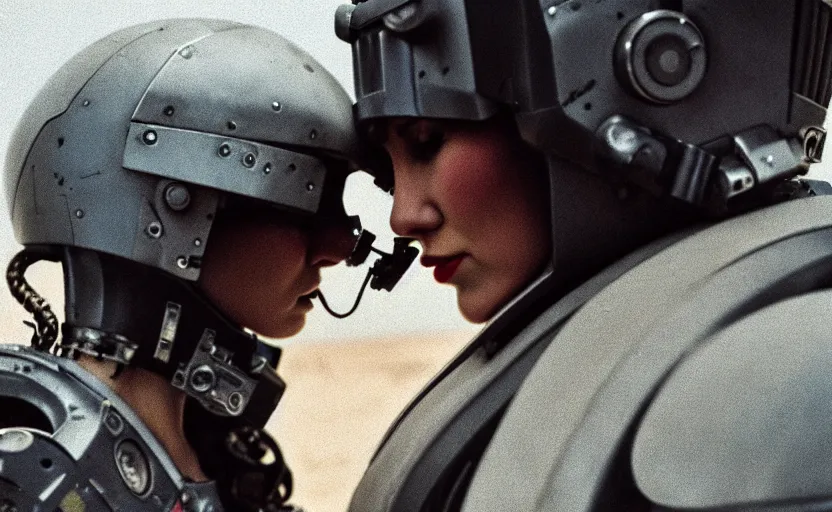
(279, 176)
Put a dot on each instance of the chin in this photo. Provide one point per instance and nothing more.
(281, 328)
(475, 311)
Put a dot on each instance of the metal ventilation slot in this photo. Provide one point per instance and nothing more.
(812, 76)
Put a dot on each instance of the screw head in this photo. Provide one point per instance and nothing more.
(249, 160)
(224, 150)
(267, 169)
(169, 110)
(154, 230)
(150, 137)
(202, 379)
(276, 106)
(235, 401)
(79, 213)
(182, 262)
(310, 186)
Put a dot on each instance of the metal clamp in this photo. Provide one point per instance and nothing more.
(213, 380)
(98, 344)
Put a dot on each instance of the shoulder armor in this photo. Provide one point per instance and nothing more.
(564, 443)
(67, 441)
(743, 422)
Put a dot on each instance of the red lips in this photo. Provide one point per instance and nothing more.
(445, 267)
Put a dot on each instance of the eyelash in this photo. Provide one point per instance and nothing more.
(426, 150)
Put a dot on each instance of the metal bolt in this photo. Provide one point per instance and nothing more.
(203, 378)
(182, 262)
(187, 52)
(267, 169)
(169, 110)
(177, 196)
(185, 498)
(235, 401)
(154, 229)
(224, 150)
(198, 242)
(552, 10)
(276, 106)
(149, 137)
(79, 213)
(310, 186)
(86, 103)
(249, 160)
(313, 135)
(133, 466)
(769, 159)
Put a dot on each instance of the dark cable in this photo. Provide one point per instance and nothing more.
(320, 296)
(46, 323)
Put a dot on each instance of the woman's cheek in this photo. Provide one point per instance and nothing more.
(469, 183)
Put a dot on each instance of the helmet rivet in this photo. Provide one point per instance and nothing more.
(182, 262)
(291, 168)
(187, 52)
(177, 196)
(313, 135)
(276, 106)
(150, 137)
(185, 498)
(249, 160)
(552, 10)
(154, 229)
(86, 103)
(310, 186)
(224, 150)
(79, 214)
(267, 169)
(169, 110)
(198, 242)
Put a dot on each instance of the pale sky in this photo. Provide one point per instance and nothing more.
(40, 35)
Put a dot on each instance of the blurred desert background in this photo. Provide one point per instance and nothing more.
(347, 379)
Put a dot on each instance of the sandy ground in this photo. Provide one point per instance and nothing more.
(340, 399)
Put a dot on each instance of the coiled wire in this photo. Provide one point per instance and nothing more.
(46, 324)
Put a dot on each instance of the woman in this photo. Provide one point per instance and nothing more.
(539, 154)
(474, 195)
(188, 176)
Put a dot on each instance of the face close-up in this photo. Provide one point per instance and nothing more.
(261, 272)
(477, 201)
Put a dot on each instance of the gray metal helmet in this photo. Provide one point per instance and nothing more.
(678, 108)
(669, 92)
(134, 144)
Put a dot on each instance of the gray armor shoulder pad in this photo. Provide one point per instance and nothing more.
(564, 442)
(69, 442)
(744, 420)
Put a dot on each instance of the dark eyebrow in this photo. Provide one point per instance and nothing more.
(404, 128)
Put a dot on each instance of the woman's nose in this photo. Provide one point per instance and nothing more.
(414, 213)
(332, 244)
